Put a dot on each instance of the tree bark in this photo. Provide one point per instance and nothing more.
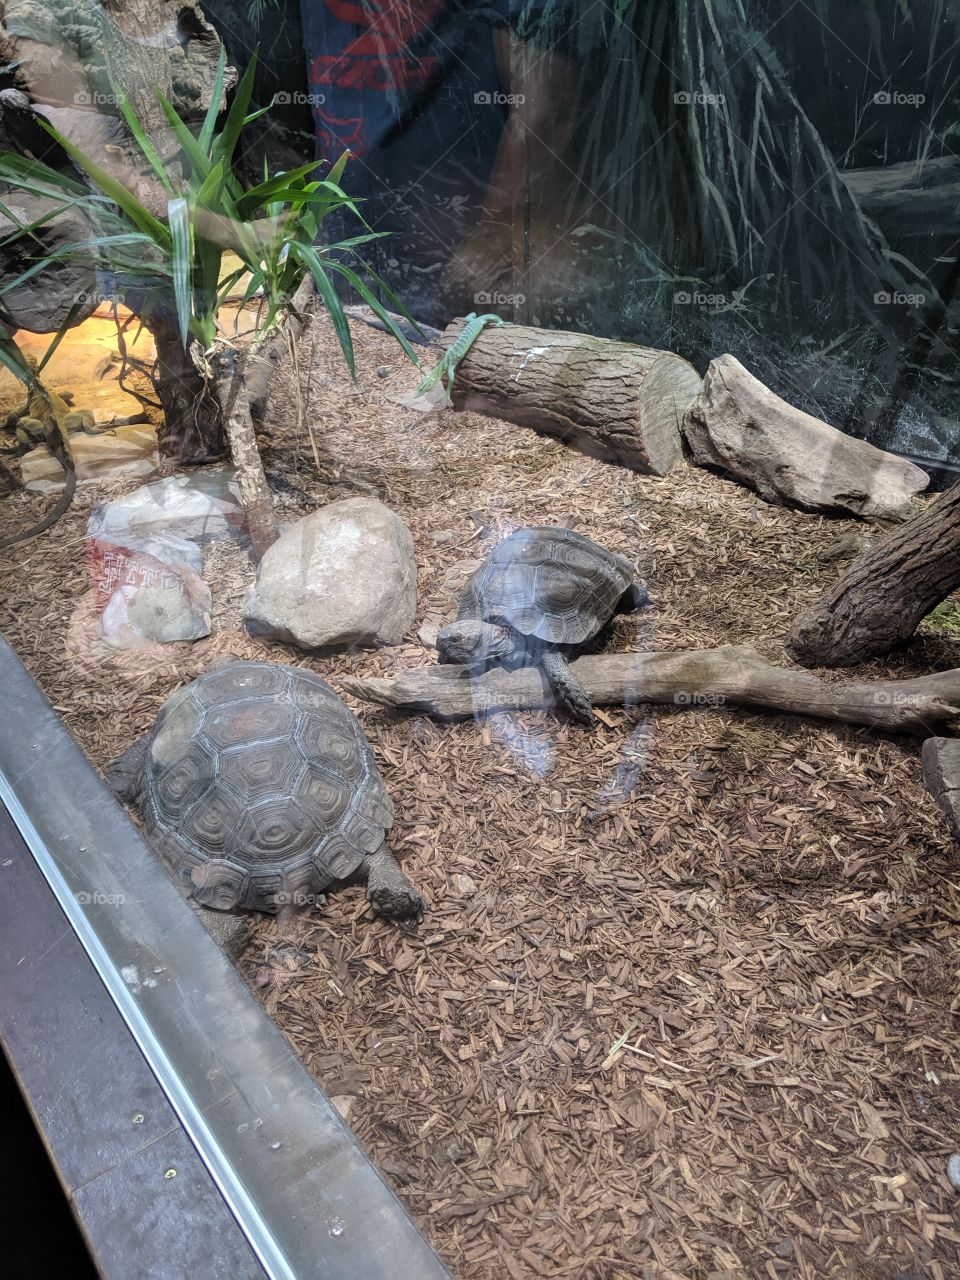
(733, 675)
(241, 381)
(192, 430)
(910, 198)
(255, 493)
(612, 400)
(265, 360)
(881, 599)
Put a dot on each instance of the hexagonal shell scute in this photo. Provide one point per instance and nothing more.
(264, 789)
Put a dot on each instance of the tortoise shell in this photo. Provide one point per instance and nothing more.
(548, 582)
(260, 788)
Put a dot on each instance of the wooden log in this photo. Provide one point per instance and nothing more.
(612, 400)
(733, 675)
(787, 456)
(883, 596)
(912, 198)
(941, 773)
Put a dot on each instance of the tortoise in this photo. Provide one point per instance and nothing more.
(258, 788)
(542, 594)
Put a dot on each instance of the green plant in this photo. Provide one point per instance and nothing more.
(166, 258)
(946, 616)
(272, 226)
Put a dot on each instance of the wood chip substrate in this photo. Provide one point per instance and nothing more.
(684, 1002)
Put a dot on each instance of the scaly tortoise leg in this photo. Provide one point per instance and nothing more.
(389, 891)
(568, 691)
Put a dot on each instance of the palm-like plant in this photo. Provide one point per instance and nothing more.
(172, 265)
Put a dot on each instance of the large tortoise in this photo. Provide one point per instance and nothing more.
(541, 594)
(258, 787)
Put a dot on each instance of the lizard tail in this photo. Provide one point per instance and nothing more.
(63, 457)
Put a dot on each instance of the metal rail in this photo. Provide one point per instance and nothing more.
(301, 1190)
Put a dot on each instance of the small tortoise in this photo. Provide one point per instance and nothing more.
(258, 787)
(541, 594)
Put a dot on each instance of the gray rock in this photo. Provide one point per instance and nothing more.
(738, 426)
(345, 575)
(941, 773)
(42, 303)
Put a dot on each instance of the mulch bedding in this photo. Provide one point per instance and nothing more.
(684, 1000)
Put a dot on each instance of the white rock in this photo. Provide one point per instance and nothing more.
(740, 427)
(345, 575)
(343, 1103)
(132, 451)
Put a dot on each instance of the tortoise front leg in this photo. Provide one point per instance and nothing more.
(389, 891)
(567, 689)
(125, 774)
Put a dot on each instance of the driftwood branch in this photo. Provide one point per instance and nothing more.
(739, 426)
(239, 385)
(884, 596)
(734, 675)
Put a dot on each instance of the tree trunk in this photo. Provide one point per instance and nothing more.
(254, 491)
(881, 599)
(910, 198)
(612, 400)
(192, 430)
(732, 675)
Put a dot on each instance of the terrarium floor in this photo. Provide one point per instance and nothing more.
(703, 1027)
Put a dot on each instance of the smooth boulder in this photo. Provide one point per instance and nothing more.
(738, 426)
(345, 575)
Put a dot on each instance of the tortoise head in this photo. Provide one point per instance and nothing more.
(473, 644)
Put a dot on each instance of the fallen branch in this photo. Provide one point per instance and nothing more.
(734, 675)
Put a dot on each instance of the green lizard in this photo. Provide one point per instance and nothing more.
(473, 326)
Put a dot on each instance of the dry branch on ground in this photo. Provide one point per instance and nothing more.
(733, 675)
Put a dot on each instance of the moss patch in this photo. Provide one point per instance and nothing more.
(946, 616)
